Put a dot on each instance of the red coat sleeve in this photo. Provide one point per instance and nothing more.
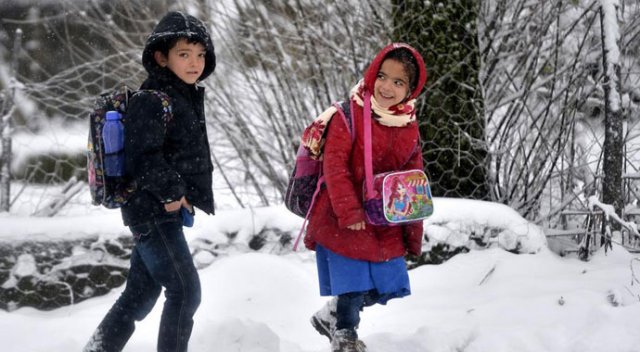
(338, 175)
(413, 233)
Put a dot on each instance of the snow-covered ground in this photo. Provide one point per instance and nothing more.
(485, 300)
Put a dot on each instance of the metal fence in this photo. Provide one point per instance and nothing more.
(514, 109)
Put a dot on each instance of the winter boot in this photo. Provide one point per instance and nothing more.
(346, 340)
(324, 320)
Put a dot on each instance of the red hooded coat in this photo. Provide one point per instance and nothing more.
(339, 204)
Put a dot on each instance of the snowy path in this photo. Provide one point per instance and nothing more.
(261, 303)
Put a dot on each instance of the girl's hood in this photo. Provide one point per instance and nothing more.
(372, 71)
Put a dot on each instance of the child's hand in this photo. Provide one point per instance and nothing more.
(357, 226)
(172, 207)
(176, 205)
(185, 204)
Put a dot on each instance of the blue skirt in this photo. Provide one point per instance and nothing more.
(338, 274)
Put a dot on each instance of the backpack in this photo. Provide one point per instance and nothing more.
(306, 179)
(110, 191)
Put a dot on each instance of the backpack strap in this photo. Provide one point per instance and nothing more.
(306, 218)
(165, 101)
(344, 110)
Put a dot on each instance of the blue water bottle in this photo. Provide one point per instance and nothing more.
(113, 138)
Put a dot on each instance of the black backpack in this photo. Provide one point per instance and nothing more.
(110, 191)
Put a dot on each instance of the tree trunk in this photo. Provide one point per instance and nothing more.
(613, 142)
(450, 114)
(6, 131)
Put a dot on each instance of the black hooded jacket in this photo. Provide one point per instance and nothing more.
(168, 161)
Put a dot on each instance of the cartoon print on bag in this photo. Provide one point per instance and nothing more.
(399, 204)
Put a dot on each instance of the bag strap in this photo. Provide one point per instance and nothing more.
(368, 166)
(306, 218)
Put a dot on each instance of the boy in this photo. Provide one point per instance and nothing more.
(171, 166)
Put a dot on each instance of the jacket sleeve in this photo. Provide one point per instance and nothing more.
(338, 176)
(145, 132)
(414, 233)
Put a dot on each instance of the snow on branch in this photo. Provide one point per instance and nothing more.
(610, 214)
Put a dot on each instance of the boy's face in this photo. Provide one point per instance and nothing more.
(186, 60)
(392, 84)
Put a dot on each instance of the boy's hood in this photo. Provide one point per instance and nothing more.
(177, 24)
(372, 71)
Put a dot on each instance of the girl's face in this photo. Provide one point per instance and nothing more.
(392, 84)
(185, 59)
(401, 189)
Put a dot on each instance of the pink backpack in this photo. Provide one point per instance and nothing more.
(306, 179)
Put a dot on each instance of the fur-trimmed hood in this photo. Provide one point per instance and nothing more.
(177, 24)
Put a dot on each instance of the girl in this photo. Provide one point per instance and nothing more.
(363, 264)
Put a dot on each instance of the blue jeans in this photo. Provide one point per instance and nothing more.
(350, 304)
(160, 258)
